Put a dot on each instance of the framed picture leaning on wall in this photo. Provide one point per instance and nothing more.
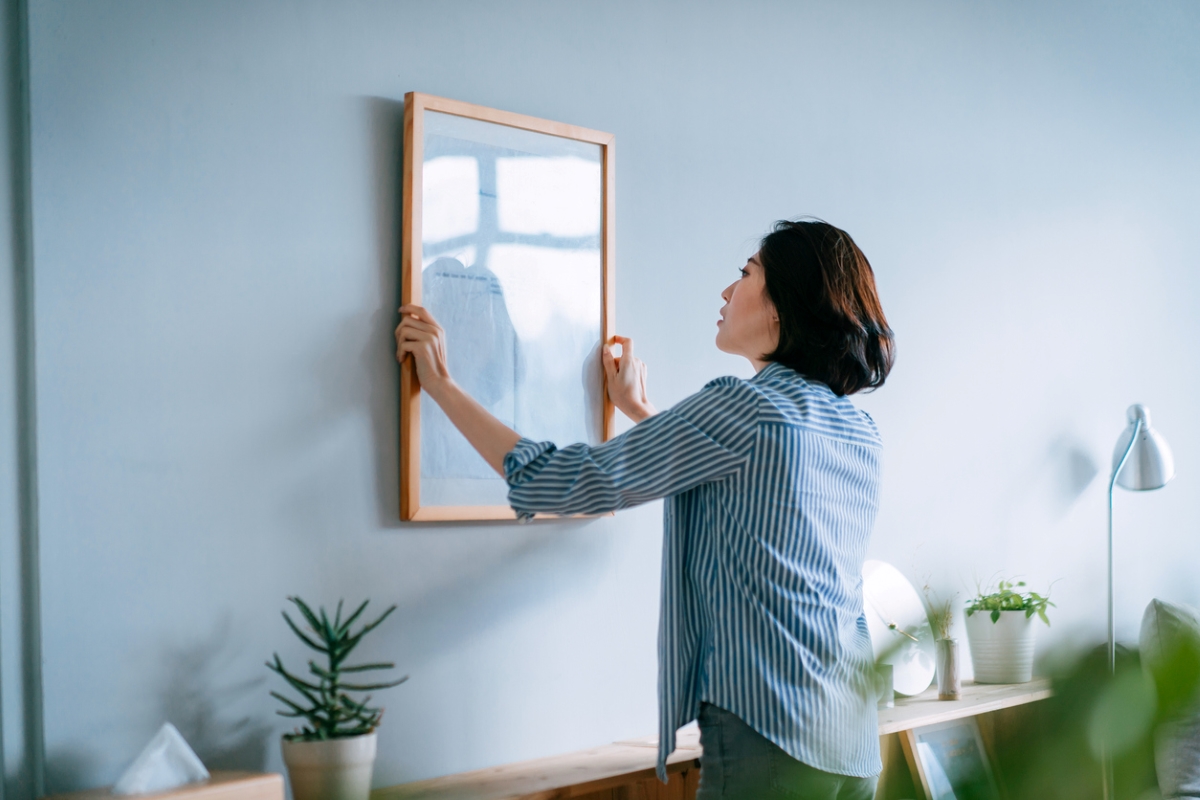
(950, 761)
(508, 239)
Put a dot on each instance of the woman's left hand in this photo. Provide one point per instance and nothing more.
(626, 379)
(421, 338)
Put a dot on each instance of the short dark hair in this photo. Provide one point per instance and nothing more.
(831, 325)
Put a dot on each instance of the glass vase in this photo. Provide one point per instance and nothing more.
(949, 685)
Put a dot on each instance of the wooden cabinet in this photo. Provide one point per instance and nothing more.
(1000, 710)
(625, 770)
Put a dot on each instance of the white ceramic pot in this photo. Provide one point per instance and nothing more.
(1002, 651)
(336, 769)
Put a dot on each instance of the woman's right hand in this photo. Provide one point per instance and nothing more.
(627, 380)
(422, 339)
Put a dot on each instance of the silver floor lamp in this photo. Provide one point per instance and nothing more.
(1141, 462)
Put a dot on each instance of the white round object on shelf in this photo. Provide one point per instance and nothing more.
(900, 630)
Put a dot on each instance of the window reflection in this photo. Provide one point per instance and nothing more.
(525, 184)
(511, 266)
(545, 285)
(450, 198)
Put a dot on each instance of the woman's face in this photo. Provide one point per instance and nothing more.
(749, 325)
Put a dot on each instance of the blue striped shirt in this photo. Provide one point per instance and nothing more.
(772, 485)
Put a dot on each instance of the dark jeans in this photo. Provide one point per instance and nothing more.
(741, 764)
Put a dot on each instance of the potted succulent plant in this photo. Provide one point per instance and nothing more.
(331, 757)
(1001, 634)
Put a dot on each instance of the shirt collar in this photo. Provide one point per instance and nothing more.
(774, 370)
(777, 371)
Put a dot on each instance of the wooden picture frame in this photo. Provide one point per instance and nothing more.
(583, 157)
(950, 761)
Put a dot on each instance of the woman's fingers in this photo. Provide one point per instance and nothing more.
(626, 360)
(413, 329)
(416, 323)
(411, 339)
(419, 337)
(409, 331)
(609, 361)
(414, 336)
(416, 347)
(626, 346)
(626, 379)
(420, 312)
(412, 324)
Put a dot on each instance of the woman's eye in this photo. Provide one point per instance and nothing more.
(743, 271)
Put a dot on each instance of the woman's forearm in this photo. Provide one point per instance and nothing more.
(421, 338)
(488, 435)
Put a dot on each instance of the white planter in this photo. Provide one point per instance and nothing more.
(337, 769)
(1002, 651)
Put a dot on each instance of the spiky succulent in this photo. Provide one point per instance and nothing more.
(331, 712)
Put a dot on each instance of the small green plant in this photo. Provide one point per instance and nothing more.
(1008, 597)
(332, 713)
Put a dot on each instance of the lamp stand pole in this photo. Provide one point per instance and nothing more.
(1106, 762)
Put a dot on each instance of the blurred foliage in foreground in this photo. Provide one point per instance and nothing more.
(1092, 709)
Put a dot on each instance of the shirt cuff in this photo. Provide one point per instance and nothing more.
(522, 464)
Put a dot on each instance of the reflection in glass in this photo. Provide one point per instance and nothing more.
(524, 184)
(511, 268)
(451, 186)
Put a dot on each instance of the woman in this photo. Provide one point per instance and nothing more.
(772, 487)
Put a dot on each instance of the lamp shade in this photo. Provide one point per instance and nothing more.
(1150, 464)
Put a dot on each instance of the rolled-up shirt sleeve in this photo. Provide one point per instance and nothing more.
(704, 438)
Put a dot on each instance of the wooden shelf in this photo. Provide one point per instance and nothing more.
(621, 763)
(976, 698)
(221, 786)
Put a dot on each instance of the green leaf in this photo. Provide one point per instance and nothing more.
(295, 706)
(303, 638)
(326, 628)
(350, 620)
(996, 616)
(308, 614)
(365, 667)
(321, 673)
(303, 687)
(370, 626)
(370, 687)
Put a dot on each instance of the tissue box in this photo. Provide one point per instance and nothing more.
(222, 786)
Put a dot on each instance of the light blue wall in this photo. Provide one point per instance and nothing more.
(215, 205)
